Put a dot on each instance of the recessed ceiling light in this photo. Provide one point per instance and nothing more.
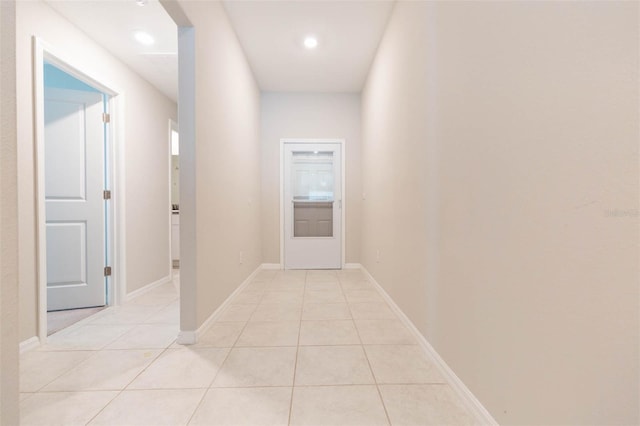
(143, 38)
(142, 2)
(310, 42)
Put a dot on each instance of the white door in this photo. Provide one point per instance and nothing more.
(312, 206)
(75, 210)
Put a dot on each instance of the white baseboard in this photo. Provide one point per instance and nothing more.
(187, 338)
(147, 288)
(352, 266)
(271, 266)
(472, 404)
(191, 337)
(29, 344)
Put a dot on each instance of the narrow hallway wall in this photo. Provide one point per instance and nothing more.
(227, 164)
(399, 183)
(531, 111)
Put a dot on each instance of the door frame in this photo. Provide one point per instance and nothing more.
(173, 126)
(343, 227)
(114, 158)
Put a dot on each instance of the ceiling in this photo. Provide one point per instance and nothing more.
(112, 24)
(270, 32)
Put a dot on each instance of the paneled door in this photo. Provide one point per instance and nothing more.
(75, 210)
(312, 206)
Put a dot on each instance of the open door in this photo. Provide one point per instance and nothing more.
(74, 142)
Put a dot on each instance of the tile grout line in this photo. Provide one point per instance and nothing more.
(206, 390)
(105, 406)
(89, 321)
(40, 389)
(131, 381)
(94, 354)
(163, 351)
(225, 359)
(375, 380)
(258, 304)
(330, 385)
(136, 376)
(295, 363)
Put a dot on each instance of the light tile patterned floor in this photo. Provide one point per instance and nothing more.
(294, 347)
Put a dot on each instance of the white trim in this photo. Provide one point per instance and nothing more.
(29, 344)
(147, 288)
(469, 400)
(343, 178)
(352, 266)
(118, 207)
(191, 337)
(41, 260)
(188, 337)
(281, 203)
(271, 266)
(343, 209)
(116, 285)
(172, 126)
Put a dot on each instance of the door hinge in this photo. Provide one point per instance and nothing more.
(106, 194)
(107, 271)
(106, 118)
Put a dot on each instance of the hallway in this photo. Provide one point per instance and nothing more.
(293, 347)
(489, 195)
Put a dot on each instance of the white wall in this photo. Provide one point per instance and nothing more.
(9, 380)
(145, 144)
(309, 116)
(223, 195)
(530, 110)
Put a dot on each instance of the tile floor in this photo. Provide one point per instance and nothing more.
(59, 320)
(294, 347)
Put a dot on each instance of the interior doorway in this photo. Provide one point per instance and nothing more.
(313, 208)
(76, 214)
(174, 164)
(74, 188)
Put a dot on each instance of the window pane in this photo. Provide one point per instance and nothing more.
(313, 194)
(313, 176)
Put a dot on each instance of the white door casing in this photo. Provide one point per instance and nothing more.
(74, 146)
(312, 205)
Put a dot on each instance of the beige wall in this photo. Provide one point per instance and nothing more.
(397, 180)
(531, 111)
(309, 116)
(8, 220)
(146, 150)
(227, 164)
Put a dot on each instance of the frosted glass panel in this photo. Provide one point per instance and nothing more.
(312, 194)
(313, 176)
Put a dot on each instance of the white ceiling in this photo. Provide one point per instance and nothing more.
(271, 34)
(112, 24)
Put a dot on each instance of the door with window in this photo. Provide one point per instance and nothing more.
(312, 206)
(74, 166)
